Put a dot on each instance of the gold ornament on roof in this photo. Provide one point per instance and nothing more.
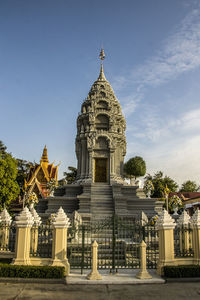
(102, 55)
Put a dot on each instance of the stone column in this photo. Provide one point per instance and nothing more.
(195, 222)
(90, 165)
(86, 164)
(111, 163)
(165, 225)
(79, 161)
(143, 274)
(94, 274)
(183, 225)
(23, 223)
(83, 146)
(6, 221)
(59, 246)
(34, 230)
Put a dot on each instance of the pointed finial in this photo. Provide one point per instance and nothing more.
(44, 155)
(102, 55)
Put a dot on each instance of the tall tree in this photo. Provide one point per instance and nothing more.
(9, 188)
(189, 186)
(70, 176)
(2, 147)
(23, 167)
(135, 167)
(160, 183)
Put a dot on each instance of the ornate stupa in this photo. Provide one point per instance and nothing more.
(100, 140)
(99, 190)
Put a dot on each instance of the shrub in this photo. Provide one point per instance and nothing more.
(31, 271)
(5, 260)
(182, 271)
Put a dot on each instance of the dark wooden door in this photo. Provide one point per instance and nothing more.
(101, 169)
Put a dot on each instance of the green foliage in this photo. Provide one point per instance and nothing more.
(70, 176)
(135, 167)
(9, 188)
(182, 271)
(23, 167)
(5, 260)
(2, 147)
(189, 186)
(160, 182)
(31, 271)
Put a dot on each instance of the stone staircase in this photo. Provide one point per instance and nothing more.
(102, 204)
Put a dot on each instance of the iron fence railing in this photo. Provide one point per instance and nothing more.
(118, 244)
(41, 241)
(7, 238)
(183, 241)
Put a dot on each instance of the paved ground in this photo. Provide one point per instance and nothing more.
(26, 291)
(124, 276)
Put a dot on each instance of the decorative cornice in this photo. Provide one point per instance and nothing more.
(25, 218)
(61, 220)
(5, 218)
(37, 218)
(195, 220)
(184, 219)
(165, 221)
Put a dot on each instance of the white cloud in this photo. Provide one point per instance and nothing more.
(131, 103)
(168, 143)
(173, 147)
(180, 53)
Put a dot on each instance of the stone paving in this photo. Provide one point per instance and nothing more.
(122, 286)
(28, 291)
(124, 276)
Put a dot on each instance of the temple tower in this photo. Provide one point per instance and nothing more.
(100, 140)
(99, 190)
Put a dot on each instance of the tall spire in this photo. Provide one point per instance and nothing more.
(102, 57)
(44, 156)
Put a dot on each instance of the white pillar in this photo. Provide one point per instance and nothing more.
(6, 221)
(59, 246)
(94, 274)
(165, 225)
(34, 230)
(195, 222)
(23, 223)
(143, 274)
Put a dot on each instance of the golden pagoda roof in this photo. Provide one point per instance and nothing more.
(49, 170)
(44, 155)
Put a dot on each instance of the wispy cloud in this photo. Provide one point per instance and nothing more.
(179, 53)
(173, 146)
(167, 142)
(131, 103)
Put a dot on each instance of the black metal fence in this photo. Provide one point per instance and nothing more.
(119, 244)
(183, 241)
(41, 241)
(7, 238)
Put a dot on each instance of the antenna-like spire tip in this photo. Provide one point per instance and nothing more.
(102, 54)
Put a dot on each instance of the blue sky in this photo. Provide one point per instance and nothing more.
(49, 60)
